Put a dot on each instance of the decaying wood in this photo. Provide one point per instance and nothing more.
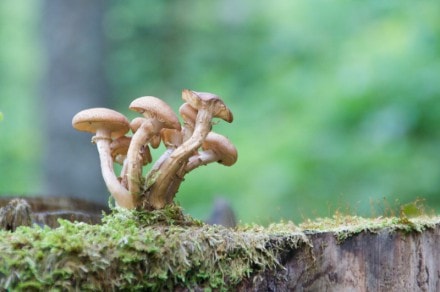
(16, 213)
(26, 212)
(383, 261)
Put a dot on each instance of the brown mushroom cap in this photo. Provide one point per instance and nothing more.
(221, 145)
(172, 138)
(198, 100)
(153, 107)
(120, 146)
(146, 155)
(93, 119)
(188, 113)
(135, 125)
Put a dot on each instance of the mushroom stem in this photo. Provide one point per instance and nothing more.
(123, 173)
(134, 157)
(158, 195)
(202, 158)
(189, 115)
(121, 195)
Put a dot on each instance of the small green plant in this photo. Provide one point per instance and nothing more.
(187, 147)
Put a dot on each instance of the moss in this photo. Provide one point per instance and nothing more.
(162, 250)
(344, 227)
(136, 250)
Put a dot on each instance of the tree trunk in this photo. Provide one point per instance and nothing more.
(383, 261)
(73, 42)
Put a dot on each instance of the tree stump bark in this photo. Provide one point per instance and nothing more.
(358, 254)
(383, 261)
(15, 212)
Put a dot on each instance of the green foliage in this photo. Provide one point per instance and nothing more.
(332, 103)
(20, 131)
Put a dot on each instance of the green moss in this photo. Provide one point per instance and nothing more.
(346, 226)
(162, 250)
(135, 250)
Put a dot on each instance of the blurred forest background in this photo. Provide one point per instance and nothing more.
(336, 104)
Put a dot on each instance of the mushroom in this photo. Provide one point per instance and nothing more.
(136, 123)
(158, 115)
(216, 148)
(119, 148)
(145, 150)
(106, 124)
(189, 115)
(208, 106)
(205, 101)
(171, 138)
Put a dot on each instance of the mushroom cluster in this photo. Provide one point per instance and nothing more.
(187, 147)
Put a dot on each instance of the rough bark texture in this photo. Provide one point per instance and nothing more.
(383, 261)
(25, 212)
(16, 213)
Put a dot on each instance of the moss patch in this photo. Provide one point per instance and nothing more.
(135, 251)
(344, 227)
(162, 250)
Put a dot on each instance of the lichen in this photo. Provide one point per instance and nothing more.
(131, 250)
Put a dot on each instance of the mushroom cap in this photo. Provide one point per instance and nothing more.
(155, 141)
(92, 119)
(146, 155)
(188, 113)
(120, 146)
(135, 125)
(153, 107)
(172, 138)
(200, 100)
(222, 147)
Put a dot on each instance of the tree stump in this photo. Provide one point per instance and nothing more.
(15, 212)
(164, 250)
(386, 260)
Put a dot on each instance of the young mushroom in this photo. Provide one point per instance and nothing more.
(208, 106)
(136, 124)
(106, 124)
(119, 148)
(158, 115)
(171, 138)
(158, 124)
(216, 148)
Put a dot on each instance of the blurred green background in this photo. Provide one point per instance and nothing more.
(336, 104)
